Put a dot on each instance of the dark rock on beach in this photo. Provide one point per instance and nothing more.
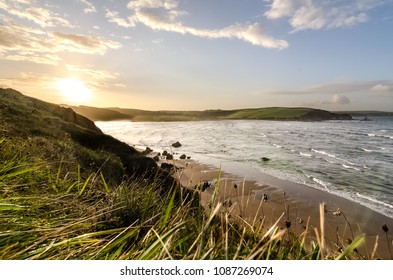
(156, 158)
(147, 151)
(167, 166)
(183, 156)
(169, 157)
(176, 144)
(265, 159)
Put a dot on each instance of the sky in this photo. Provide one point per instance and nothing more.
(200, 54)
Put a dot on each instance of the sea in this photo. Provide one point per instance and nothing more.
(351, 159)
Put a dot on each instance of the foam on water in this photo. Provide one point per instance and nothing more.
(340, 157)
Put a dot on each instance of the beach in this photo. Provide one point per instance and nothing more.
(264, 200)
(344, 165)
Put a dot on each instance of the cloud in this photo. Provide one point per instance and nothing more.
(312, 14)
(96, 79)
(40, 16)
(383, 88)
(92, 74)
(84, 43)
(114, 18)
(337, 88)
(23, 43)
(164, 15)
(89, 8)
(339, 99)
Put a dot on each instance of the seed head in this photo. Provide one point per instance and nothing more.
(337, 212)
(385, 228)
(288, 224)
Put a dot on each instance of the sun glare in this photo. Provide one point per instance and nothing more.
(74, 90)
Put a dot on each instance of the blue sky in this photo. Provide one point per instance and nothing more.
(200, 54)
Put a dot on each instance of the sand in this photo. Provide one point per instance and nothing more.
(258, 198)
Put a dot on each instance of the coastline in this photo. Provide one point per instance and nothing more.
(259, 198)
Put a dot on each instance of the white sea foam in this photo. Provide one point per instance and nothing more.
(350, 167)
(324, 153)
(305, 155)
(327, 186)
(375, 201)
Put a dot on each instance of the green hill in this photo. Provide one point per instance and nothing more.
(65, 135)
(272, 113)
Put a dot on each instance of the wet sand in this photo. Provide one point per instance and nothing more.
(260, 198)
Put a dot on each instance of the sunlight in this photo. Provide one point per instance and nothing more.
(74, 90)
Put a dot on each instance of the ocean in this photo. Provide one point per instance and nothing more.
(351, 159)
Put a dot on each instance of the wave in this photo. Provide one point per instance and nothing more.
(305, 155)
(324, 153)
(350, 167)
(376, 201)
(327, 186)
(277, 146)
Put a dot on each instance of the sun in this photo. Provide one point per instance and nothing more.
(74, 90)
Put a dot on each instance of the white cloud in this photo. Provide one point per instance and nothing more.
(23, 43)
(339, 99)
(166, 4)
(40, 16)
(92, 74)
(114, 17)
(164, 15)
(84, 43)
(385, 88)
(313, 14)
(50, 59)
(89, 7)
(338, 89)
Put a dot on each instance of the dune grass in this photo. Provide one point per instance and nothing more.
(58, 210)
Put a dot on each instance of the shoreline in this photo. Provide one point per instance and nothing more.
(243, 197)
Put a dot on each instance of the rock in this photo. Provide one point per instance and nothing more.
(188, 157)
(183, 156)
(169, 157)
(156, 158)
(176, 144)
(167, 166)
(147, 151)
(164, 153)
(265, 159)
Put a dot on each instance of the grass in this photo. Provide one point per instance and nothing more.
(58, 210)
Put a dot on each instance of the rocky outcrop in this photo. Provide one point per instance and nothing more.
(176, 144)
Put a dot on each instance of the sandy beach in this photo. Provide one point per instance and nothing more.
(262, 199)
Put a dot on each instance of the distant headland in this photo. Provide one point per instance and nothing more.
(270, 113)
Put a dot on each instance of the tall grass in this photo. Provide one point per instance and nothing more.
(53, 210)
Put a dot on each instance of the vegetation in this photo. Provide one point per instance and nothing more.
(273, 113)
(67, 191)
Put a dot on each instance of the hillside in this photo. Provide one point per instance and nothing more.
(67, 136)
(272, 113)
